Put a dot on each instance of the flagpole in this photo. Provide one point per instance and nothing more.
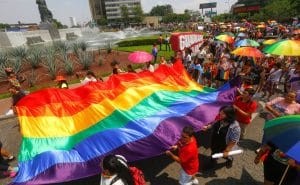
(284, 174)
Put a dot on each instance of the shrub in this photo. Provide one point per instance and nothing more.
(35, 57)
(85, 59)
(32, 78)
(75, 47)
(3, 65)
(100, 61)
(108, 47)
(62, 48)
(69, 67)
(83, 45)
(20, 55)
(19, 52)
(138, 42)
(50, 62)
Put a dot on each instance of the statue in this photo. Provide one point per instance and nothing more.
(45, 13)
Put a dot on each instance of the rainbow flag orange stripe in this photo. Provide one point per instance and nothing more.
(69, 131)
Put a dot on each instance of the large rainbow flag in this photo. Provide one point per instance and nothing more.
(66, 132)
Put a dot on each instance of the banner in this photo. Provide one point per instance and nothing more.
(181, 41)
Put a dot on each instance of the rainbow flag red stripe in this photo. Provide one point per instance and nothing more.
(66, 133)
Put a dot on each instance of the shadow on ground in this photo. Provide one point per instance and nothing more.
(246, 177)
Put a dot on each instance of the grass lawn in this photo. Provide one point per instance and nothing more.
(147, 48)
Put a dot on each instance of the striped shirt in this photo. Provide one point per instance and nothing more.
(233, 133)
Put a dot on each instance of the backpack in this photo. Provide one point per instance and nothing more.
(138, 176)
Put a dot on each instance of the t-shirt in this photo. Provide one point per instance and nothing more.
(294, 80)
(87, 80)
(154, 51)
(248, 107)
(188, 155)
(275, 75)
(107, 181)
(17, 97)
(151, 68)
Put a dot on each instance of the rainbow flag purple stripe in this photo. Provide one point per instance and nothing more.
(135, 115)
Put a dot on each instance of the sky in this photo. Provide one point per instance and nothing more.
(26, 11)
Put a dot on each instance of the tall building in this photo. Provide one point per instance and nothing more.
(111, 9)
(97, 9)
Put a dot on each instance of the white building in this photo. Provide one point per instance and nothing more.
(113, 8)
(73, 22)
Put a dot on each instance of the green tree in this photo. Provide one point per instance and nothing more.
(125, 14)
(176, 18)
(58, 24)
(161, 10)
(222, 17)
(3, 26)
(102, 21)
(138, 13)
(281, 10)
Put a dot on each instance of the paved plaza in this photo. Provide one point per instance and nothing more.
(162, 170)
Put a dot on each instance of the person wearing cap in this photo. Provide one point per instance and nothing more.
(62, 82)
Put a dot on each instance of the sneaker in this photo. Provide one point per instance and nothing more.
(195, 181)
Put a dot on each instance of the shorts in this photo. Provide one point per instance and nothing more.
(186, 179)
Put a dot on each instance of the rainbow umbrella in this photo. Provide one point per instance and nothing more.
(225, 38)
(246, 42)
(248, 51)
(296, 31)
(269, 41)
(261, 26)
(243, 29)
(241, 35)
(284, 47)
(140, 57)
(284, 132)
(229, 34)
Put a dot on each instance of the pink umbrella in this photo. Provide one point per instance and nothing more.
(140, 57)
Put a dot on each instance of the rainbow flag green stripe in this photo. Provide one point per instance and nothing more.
(117, 119)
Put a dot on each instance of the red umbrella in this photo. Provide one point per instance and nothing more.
(140, 57)
(249, 52)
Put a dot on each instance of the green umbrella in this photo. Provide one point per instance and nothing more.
(284, 47)
(228, 33)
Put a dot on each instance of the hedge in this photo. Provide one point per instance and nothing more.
(137, 42)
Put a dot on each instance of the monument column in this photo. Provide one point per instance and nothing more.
(47, 20)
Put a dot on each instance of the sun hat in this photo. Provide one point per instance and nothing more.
(59, 78)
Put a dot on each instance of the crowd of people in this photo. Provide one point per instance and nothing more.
(272, 79)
